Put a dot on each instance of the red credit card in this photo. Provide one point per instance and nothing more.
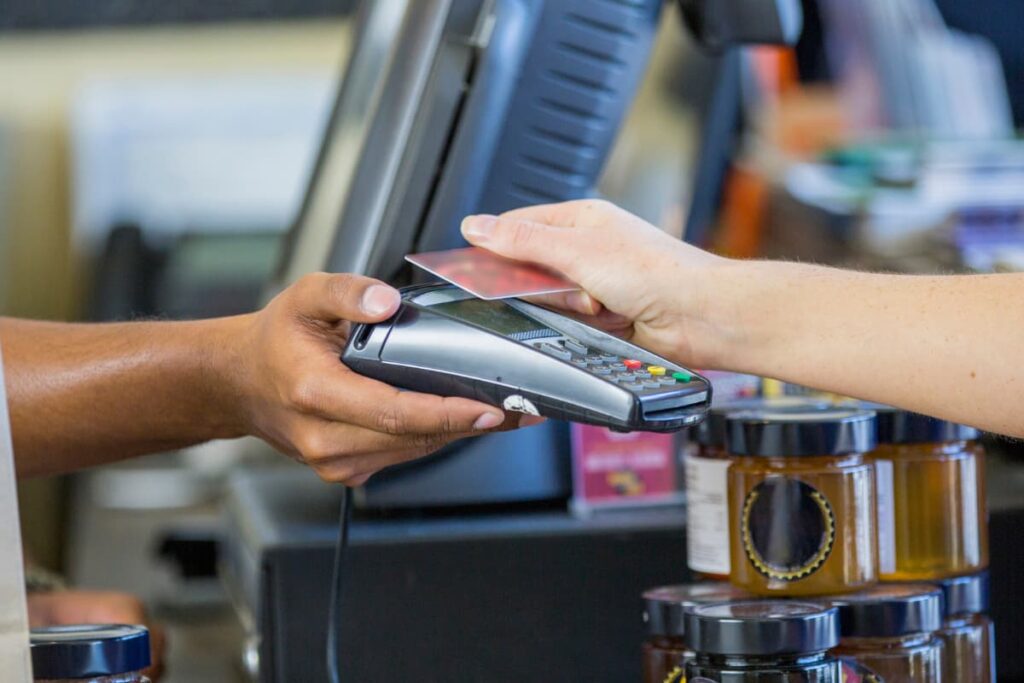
(488, 276)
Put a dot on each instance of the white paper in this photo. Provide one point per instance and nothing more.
(14, 653)
(707, 514)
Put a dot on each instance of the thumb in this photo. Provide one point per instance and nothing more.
(524, 240)
(343, 296)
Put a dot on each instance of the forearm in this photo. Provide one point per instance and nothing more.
(942, 345)
(946, 346)
(82, 394)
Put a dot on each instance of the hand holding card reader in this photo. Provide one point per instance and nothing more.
(525, 358)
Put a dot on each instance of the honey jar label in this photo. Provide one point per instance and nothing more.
(788, 528)
(707, 514)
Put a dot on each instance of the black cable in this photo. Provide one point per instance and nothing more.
(337, 582)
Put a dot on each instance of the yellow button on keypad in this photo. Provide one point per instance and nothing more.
(656, 370)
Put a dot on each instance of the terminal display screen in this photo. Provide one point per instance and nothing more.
(491, 315)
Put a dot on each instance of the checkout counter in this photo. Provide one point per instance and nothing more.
(518, 594)
(485, 595)
(469, 565)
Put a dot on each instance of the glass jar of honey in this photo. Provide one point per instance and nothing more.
(762, 641)
(890, 629)
(802, 502)
(967, 633)
(919, 461)
(706, 465)
(665, 653)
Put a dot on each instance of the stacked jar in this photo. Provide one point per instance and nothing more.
(921, 460)
(762, 641)
(967, 632)
(665, 652)
(706, 466)
(94, 653)
(802, 501)
(822, 504)
(891, 630)
(933, 526)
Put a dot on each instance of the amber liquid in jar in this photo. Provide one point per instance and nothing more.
(802, 526)
(707, 481)
(855, 672)
(664, 660)
(933, 519)
(915, 658)
(968, 655)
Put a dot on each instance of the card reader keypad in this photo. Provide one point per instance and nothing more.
(556, 350)
(628, 373)
(575, 347)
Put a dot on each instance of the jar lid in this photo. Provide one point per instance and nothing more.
(827, 431)
(965, 594)
(761, 628)
(89, 650)
(896, 425)
(890, 610)
(711, 432)
(665, 606)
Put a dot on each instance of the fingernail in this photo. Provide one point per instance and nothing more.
(379, 300)
(530, 420)
(488, 421)
(479, 227)
(583, 303)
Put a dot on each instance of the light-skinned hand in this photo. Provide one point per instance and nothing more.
(622, 264)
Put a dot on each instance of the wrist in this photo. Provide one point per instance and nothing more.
(750, 309)
(682, 305)
(222, 375)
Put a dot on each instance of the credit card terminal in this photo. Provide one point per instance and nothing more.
(525, 358)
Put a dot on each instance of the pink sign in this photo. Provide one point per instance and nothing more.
(611, 468)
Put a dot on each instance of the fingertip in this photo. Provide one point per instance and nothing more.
(584, 303)
(358, 480)
(489, 420)
(379, 301)
(478, 229)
